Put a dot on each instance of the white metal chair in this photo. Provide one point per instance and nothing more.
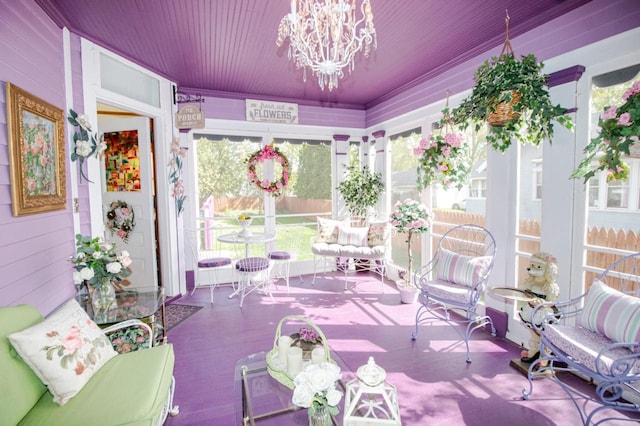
(455, 279)
(254, 275)
(286, 252)
(208, 258)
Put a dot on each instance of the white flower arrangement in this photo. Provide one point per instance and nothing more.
(315, 386)
(86, 142)
(97, 261)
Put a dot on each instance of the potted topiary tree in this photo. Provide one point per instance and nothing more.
(361, 190)
(511, 96)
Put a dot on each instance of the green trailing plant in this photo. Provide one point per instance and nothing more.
(497, 81)
(360, 189)
(619, 132)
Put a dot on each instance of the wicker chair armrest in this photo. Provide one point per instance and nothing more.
(131, 323)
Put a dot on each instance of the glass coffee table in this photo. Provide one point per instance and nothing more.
(143, 303)
(260, 398)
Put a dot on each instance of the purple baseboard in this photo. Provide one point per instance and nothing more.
(500, 321)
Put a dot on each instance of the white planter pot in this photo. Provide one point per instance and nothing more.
(408, 294)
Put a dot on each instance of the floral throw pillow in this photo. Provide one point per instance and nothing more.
(378, 233)
(327, 230)
(64, 351)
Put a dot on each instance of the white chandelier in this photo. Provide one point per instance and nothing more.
(324, 37)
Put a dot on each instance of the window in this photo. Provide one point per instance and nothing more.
(478, 188)
(537, 179)
(613, 219)
(404, 176)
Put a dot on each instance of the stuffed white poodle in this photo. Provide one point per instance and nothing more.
(541, 283)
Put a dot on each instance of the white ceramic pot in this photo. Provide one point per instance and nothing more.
(408, 293)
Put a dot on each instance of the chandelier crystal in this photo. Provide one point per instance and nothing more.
(324, 37)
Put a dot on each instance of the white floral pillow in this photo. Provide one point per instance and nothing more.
(64, 351)
(327, 231)
(378, 233)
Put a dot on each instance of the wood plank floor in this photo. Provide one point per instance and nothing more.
(435, 384)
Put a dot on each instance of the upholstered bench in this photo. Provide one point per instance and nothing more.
(597, 336)
(63, 371)
(337, 243)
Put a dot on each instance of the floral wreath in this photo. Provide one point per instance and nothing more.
(86, 142)
(120, 219)
(269, 152)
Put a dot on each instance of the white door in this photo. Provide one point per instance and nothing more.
(127, 177)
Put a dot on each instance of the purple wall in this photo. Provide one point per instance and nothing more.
(33, 249)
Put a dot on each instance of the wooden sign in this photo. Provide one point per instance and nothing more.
(189, 117)
(272, 112)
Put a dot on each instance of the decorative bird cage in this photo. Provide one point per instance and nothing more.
(370, 400)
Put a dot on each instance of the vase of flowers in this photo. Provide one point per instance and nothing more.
(306, 339)
(618, 137)
(244, 220)
(98, 264)
(443, 156)
(315, 389)
(410, 217)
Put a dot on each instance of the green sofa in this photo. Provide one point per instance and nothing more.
(135, 388)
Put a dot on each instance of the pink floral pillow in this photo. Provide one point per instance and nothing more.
(64, 351)
(327, 231)
(378, 233)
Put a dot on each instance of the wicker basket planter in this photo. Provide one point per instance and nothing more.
(274, 367)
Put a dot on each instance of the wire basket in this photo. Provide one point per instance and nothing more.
(504, 111)
(275, 369)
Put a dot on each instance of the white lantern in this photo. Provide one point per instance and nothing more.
(369, 399)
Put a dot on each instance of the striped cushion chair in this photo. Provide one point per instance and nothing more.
(597, 336)
(453, 282)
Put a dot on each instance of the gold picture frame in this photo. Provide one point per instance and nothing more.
(36, 153)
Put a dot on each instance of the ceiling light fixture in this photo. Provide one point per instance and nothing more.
(324, 37)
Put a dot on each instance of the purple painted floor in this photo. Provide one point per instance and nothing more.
(435, 384)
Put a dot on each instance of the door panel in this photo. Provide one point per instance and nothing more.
(127, 175)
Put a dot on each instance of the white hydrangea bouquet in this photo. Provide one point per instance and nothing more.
(85, 140)
(315, 388)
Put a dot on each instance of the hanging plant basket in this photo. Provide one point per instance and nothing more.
(500, 113)
(511, 95)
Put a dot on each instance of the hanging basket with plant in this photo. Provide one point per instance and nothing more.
(618, 138)
(443, 155)
(511, 96)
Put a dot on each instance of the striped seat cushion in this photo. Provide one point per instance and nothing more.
(252, 264)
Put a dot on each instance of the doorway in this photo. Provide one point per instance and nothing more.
(128, 187)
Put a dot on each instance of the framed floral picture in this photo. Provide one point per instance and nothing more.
(36, 153)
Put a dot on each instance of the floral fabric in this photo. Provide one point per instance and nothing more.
(583, 346)
(64, 351)
(327, 231)
(378, 233)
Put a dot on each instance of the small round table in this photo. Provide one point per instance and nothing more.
(253, 238)
(513, 294)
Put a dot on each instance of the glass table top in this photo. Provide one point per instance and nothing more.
(134, 303)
